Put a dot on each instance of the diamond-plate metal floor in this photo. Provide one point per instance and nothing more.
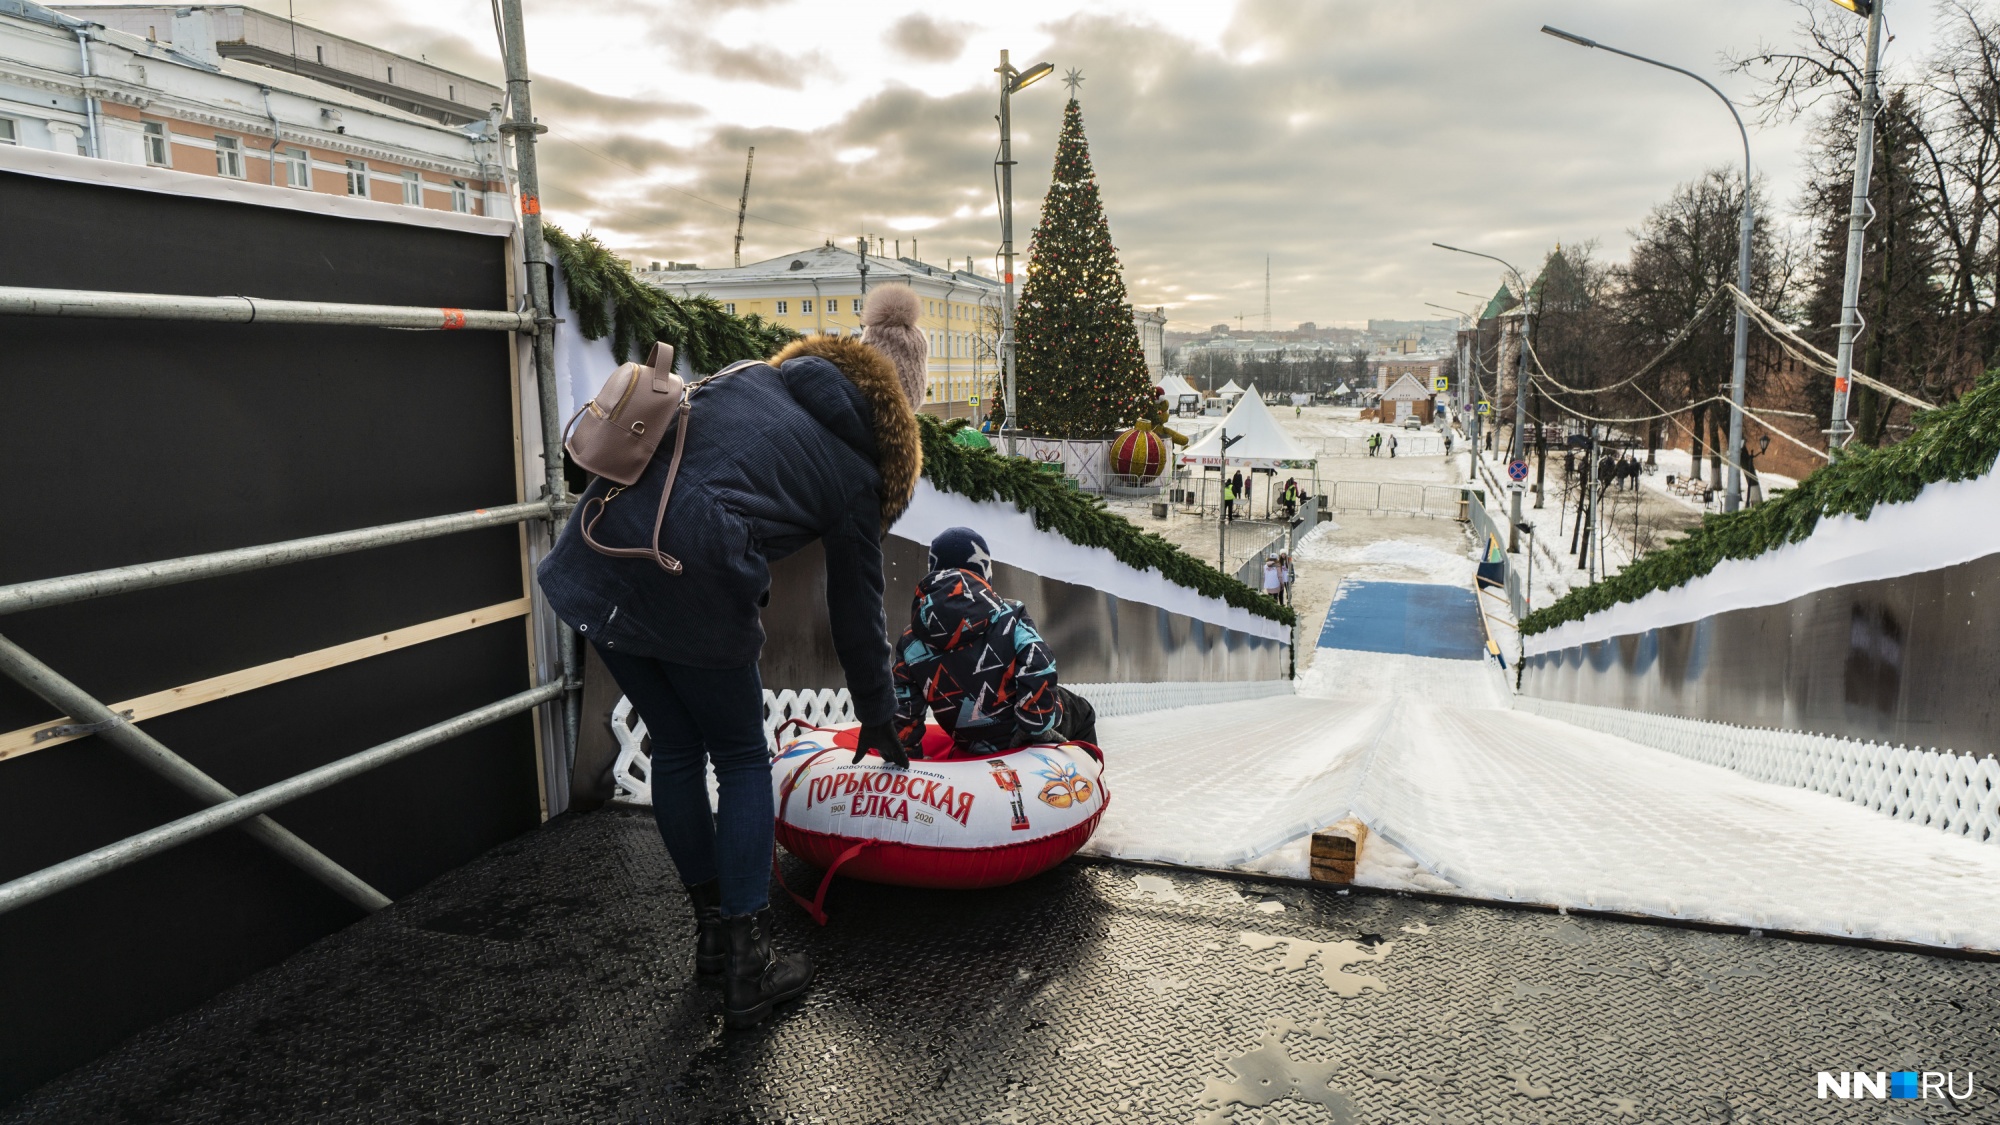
(550, 982)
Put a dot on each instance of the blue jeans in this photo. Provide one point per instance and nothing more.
(696, 716)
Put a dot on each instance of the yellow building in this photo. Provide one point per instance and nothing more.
(821, 290)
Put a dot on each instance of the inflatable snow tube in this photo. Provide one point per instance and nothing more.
(961, 823)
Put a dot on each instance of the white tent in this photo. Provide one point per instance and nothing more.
(1229, 388)
(1344, 388)
(1173, 386)
(1264, 446)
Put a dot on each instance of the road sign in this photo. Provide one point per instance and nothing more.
(1517, 470)
(1485, 407)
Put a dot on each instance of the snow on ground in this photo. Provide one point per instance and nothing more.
(1505, 805)
(1399, 560)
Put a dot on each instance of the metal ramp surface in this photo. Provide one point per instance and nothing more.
(1415, 618)
(549, 981)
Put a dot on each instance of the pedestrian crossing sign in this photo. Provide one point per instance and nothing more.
(1485, 407)
(1441, 383)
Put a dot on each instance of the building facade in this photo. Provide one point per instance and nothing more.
(172, 98)
(820, 291)
(233, 31)
(1152, 326)
(1424, 368)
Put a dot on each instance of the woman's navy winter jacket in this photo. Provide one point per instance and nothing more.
(819, 444)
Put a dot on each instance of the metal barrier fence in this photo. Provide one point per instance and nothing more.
(1409, 443)
(1414, 498)
(85, 714)
(1493, 532)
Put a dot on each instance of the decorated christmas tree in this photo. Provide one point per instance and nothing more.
(1079, 369)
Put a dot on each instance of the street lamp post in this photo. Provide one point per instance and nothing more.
(1520, 390)
(1464, 369)
(1011, 82)
(1732, 497)
(1857, 221)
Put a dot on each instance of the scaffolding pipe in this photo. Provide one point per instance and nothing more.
(44, 592)
(92, 303)
(111, 857)
(523, 128)
(83, 708)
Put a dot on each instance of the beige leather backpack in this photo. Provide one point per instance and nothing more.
(616, 434)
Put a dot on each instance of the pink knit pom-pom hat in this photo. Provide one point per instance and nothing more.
(889, 323)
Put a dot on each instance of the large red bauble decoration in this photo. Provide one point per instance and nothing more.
(1139, 453)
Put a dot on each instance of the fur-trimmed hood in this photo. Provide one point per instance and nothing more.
(899, 449)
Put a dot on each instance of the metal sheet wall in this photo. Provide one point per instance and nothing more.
(1910, 661)
(1097, 637)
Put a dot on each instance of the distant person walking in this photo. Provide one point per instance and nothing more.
(1274, 578)
(1374, 443)
(1392, 445)
(1228, 500)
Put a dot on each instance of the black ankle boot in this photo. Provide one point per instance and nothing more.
(711, 943)
(757, 977)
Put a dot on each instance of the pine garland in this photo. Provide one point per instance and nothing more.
(1957, 442)
(984, 474)
(609, 301)
(1080, 371)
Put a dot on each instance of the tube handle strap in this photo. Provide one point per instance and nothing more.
(815, 907)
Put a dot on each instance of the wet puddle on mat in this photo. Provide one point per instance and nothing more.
(1334, 959)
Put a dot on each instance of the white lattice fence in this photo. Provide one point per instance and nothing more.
(633, 768)
(828, 707)
(1950, 792)
(1113, 700)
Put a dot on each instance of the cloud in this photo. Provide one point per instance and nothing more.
(1340, 138)
(922, 36)
(763, 65)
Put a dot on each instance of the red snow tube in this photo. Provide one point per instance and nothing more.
(959, 823)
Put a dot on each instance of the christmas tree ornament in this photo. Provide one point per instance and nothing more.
(1139, 454)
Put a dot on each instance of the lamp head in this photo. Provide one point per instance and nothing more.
(1030, 76)
(1858, 7)
(1579, 40)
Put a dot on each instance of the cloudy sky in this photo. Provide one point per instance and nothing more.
(1339, 137)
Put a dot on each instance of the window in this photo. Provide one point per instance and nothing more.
(357, 178)
(729, 307)
(155, 135)
(298, 168)
(8, 134)
(413, 189)
(392, 75)
(806, 307)
(450, 93)
(319, 53)
(461, 197)
(783, 308)
(857, 306)
(228, 157)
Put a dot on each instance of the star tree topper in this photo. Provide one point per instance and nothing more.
(1073, 79)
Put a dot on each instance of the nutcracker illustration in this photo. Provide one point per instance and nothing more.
(1006, 777)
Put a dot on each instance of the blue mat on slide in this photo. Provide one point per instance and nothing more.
(1407, 617)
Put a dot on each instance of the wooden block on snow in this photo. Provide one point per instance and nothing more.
(1336, 849)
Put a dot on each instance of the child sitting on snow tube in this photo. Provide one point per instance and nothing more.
(975, 661)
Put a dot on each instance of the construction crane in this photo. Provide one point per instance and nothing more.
(743, 203)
